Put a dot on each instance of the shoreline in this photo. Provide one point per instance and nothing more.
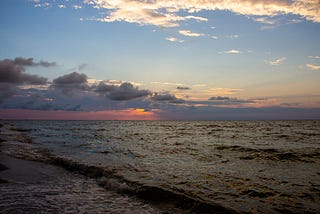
(29, 186)
(43, 163)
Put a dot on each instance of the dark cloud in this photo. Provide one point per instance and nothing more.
(166, 97)
(13, 71)
(72, 78)
(7, 90)
(104, 88)
(29, 62)
(229, 100)
(126, 91)
(183, 88)
(70, 82)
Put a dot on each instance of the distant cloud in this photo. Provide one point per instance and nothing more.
(69, 82)
(73, 92)
(276, 61)
(46, 4)
(29, 62)
(233, 51)
(76, 7)
(13, 71)
(235, 36)
(62, 6)
(314, 57)
(165, 13)
(265, 20)
(104, 88)
(228, 100)
(189, 33)
(7, 90)
(174, 39)
(313, 67)
(126, 91)
(165, 83)
(183, 88)
(166, 97)
(223, 91)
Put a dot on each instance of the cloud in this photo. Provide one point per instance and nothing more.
(115, 95)
(126, 91)
(235, 36)
(29, 62)
(189, 33)
(223, 91)
(104, 88)
(174, 39)
(183, 88)
(69, 82)
(76, 7)
(273, 22)
(233, 51)
(265, 20)
(13, 71)
(276, 61)
(314, 57)
(166, 97)
(62, 6)
(7, 90)
(165, 13)
(228, 100)
(313, 67)
(46, 4)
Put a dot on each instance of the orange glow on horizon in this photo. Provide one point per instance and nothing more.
(127, 114)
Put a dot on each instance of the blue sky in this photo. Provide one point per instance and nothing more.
(191, 56)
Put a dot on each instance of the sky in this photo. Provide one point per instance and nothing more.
(153, 60)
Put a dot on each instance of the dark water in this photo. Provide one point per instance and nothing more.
(245, 166)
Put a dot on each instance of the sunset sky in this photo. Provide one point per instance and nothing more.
(149, 59)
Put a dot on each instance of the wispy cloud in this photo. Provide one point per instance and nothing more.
(223, 91)
(235, 36)
(62, 6)
(174, 39)
(313, 67)
(232, 51)
(46, 4)
(76, 7)
(183, 88)
(165, 13)
(276, 61)
(265, 20)
(229, 100)
(314, 57)
(189, 33)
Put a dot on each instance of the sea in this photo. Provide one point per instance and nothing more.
(179, 166)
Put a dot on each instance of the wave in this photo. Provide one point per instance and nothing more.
(156, 195)
(109, 179)
(272, 154)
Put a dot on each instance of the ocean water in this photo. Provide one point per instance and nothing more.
(201, 166)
